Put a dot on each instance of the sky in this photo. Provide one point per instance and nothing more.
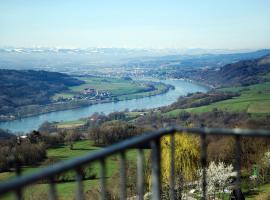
(211, 24)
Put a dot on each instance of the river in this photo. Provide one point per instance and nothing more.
(182, 87)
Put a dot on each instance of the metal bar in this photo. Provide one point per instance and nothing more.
(204, 163)
(225, 131)
(52, 189)
(71, 164)
(79, 178)
(172, 167)
(140, 175)
(123, 176)
(102, 179)
(238, 164)
(22, 181)
(156, 187)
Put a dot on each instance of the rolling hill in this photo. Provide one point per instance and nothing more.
(25, 87)
(245, 72)
(241, 73)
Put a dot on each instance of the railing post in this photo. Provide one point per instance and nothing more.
(123, 176)
(238, 164)
(79, 179)
(52, 189)
(204, 165)
(156, 186)
(102, 180)
(140, 175)
(172, 167)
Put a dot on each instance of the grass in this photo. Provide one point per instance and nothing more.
(262, 192)
(254, 99)
(159, 88)
(116, 87)
(134, 115)
(71, 124)
(66, 190)
(120, 88)
(76, 123)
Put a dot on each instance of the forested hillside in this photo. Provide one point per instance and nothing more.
(19, 88)
(241, 73)
(245, 72)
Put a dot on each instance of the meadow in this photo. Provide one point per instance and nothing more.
(253, 99)
(121, 88)
(67, 189)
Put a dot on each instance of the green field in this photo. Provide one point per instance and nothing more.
(71, 124)
(76, 123)
(124, 89)
(115, 86)
(261, 192)
(159, 88)
(66, 190)
(254, 99)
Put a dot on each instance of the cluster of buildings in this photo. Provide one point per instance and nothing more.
(88, 94)
(96, 93)
(92, 94)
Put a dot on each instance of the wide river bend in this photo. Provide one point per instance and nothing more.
(182, 87)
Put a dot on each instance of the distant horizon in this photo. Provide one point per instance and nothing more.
(135, 48)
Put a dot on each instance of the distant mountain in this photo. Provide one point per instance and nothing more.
(69, 60)
(28, 87)
(78, 59)
(124, 51)
(198, 60)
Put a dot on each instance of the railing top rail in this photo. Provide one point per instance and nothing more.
(227, 132)
(117, 148)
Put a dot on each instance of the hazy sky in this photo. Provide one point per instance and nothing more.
(233, 24)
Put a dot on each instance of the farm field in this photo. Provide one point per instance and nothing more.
(159, 88)
(254, 99)
(71, 124)
(121, 88)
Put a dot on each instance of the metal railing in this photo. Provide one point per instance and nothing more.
(153, 139)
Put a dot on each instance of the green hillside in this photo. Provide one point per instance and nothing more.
(253, 99)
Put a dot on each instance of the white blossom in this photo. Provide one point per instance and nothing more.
(266, 159)
(217, 176)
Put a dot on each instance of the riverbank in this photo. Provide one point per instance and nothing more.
(182, 88)
(35, 110)
(203, 84)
